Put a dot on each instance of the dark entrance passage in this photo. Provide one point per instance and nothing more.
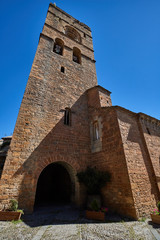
(54, 186)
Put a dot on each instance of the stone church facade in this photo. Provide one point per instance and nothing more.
(67, 122)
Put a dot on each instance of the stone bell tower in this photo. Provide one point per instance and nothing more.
(63, 69)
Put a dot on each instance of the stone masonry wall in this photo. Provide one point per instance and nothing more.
(143, 185)
(151, 131)
(64, 144)
(39, 136)
(117, 194)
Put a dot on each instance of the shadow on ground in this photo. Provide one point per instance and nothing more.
(155, 226)
(64, 214)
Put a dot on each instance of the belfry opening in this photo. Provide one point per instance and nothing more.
(54, 186)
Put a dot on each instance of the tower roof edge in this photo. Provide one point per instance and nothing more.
(62, 11)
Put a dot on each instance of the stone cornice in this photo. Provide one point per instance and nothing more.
(141, 116)
(124, 110)
(148, 119)
(45, 36)
(102, 88)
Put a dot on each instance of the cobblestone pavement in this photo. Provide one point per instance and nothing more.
(70, 224)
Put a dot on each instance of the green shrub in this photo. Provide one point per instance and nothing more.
(20, 210)
(16, 221)
(13, 205)
(95, 206)
(93, 179)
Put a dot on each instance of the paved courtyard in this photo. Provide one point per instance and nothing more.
(70, 224)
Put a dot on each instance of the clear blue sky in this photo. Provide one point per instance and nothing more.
(126, 37)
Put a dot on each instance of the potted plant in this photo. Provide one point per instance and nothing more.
(95, 212)
(12, 213)
(155, 215)
(94, 180)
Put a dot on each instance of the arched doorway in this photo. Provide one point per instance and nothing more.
(55, 186)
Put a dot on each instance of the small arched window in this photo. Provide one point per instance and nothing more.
(76, 55)
(67, 116)
(72, 33)
(58, 46)
(95, 131)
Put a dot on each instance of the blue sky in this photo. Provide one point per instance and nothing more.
(126, 38)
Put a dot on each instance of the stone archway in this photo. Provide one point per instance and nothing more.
(56, 184)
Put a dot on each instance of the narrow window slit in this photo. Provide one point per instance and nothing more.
(67, 117)
(148, 131)
(62, 69)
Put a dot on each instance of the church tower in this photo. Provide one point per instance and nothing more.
(67, 123)
(52, 115)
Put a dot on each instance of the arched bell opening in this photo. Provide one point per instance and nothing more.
(76, 55)
(58, 46)
(56, 185)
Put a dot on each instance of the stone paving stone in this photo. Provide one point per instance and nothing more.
(70, 224)
(59, 232)
(93, 231)
(40, 233)
(117, 231)
(20, 231)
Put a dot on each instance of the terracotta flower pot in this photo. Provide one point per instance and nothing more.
(155, 218)
(9, 216)
(95, 215)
